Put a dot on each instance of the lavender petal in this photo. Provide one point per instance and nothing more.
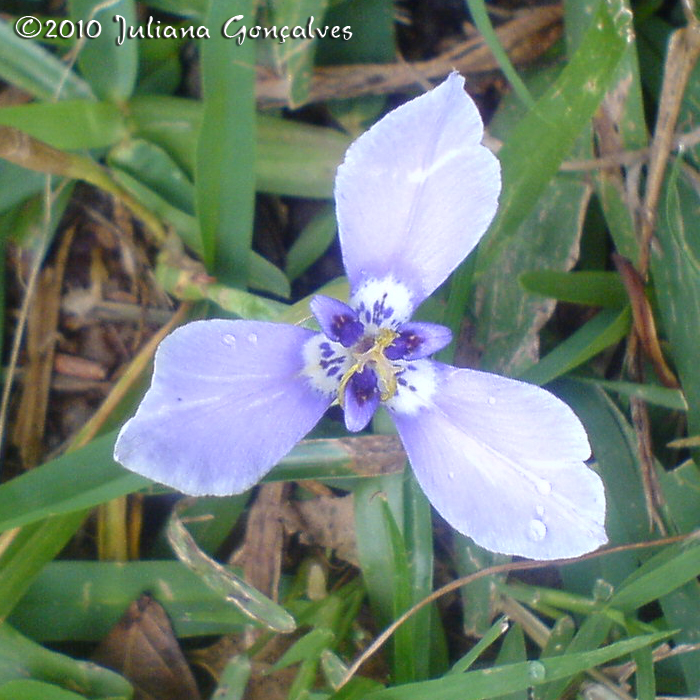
(361, 399)
(416, 192)
(228, 400)
(502, 462)
(418, 339)
(338, 321)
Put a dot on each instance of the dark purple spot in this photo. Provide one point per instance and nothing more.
(346, 329)
(364, 386)
(324, 364)
(337, 320)
(404, 345)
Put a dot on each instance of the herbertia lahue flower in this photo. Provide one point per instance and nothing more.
(502, 461)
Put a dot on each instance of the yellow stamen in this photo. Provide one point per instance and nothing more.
(386, 372)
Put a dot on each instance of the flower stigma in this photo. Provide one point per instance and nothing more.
(383, 368)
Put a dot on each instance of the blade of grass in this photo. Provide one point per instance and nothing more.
(492, 682)
(498, 629)
(607, 328)
(83, 600)
(29, 66)
(21, 658)
(555, 122)
(592, 288)
(69, 124)
(479, 14)
(225, 583)
(225, 172)
(110, 67)
(291, 158)
(233, 680)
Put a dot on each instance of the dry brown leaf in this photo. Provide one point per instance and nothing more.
(260, 555)
(42, 333)
(79, 367)
(143, 648)
(527, 36)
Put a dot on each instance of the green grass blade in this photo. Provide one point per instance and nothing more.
(607, 328)
(492, 682)
(156, 169)
(650, 393)
(72, 482)
(373, 544)
(591, 288)
(83, 600)
(29, 66)
(479, 14)
(21, 658)
(69, 124)
(295, 60)
(28, 550)
(555, 122)
(675, 267)
(660, 575)
(108, 65)
(498, 629)
(312, 242)
(513, 651)
(233, 680)
(36, 690)
(225, 172)
(291, 158)
(230, 587)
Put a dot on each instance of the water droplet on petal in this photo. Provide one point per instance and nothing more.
(536, 671)
(492, 400)
(543, 487)
(450, 475)
(253, 338)
(229, 340)
(536, 530)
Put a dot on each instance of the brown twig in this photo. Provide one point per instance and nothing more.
(644, 324)
(527, 36)
(682, 55)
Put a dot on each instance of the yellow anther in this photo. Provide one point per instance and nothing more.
(374, 357)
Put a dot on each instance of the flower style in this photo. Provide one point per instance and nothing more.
(502, 461)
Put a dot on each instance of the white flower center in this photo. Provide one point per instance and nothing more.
(382, 303)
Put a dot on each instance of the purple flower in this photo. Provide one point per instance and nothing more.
(502, 461)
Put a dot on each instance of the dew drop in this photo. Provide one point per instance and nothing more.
(253, 338)
(450, 475)
(229, 340)
(543, 487)
(536, 671)
(536, 530)
(492, 400)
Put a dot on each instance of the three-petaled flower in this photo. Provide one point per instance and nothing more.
(502, 461)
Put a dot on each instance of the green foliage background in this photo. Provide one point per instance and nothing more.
(190, 170)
